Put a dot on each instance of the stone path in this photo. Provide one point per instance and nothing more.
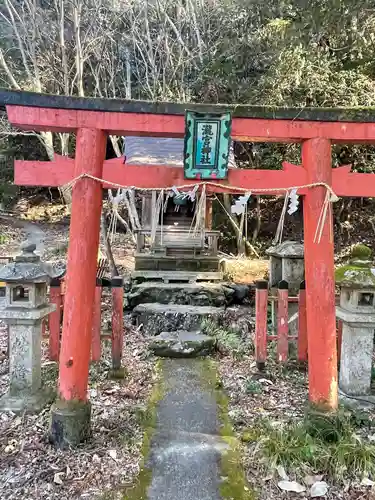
(191, 453)
(187, 458)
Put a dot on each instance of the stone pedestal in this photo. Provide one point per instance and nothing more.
(26, 305)
(286, 264)
(357, 314)
(25, 335)
(356, 352)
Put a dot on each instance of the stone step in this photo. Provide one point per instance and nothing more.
(157, 318)
(182, 344)
(177, 262)
(176, 276)
(197, 294)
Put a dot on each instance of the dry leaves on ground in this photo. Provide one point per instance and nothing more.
(278, 395)
(31, 468)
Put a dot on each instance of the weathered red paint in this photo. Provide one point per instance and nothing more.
(319, 275)
(82, 263)
(302, 345)
(282, 323)
(243, 129)
(61, 171)
(97, 323)
(54, 321)
(261, 305)
(117, 323)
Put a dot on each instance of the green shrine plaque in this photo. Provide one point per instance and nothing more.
(206, 148)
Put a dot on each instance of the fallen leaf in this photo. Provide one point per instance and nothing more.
(281, 472)
(57, 478)
(319, 489)
(310, 480)
(113, 454)
(68, 471)
(291, 486)
(96, 458)
(367, 482)
(17, 422)
(266, 381)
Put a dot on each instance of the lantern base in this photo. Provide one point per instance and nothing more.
(26, 402)
(361, 402)
(70, 423)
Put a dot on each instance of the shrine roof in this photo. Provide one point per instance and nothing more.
(32, 99)
(159, 151)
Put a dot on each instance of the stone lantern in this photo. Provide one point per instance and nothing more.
(357, 313)
(286, 264)
(26, 306)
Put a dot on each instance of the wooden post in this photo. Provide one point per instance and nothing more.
(55, 319)
(319, 275)
(208, 214)
(261, 303)
(97, 322)
(71, 413)
(302, 326)
(117, 285)
(282, 322)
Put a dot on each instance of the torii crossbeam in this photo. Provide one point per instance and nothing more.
(94, 119)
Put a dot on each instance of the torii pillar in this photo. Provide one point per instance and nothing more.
(70, 422)
(319, 277)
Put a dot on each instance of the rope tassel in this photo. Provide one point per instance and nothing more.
(326, 207)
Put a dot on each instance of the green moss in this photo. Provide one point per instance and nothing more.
(118, 374)
(354, 274)
(249, 435)
(361, 252)
(234, 485)
(139, 490)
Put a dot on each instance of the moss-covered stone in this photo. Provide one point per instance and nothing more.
(234, 484)
(361, 252)
(70, 423)
(359, 273)
(138, 490)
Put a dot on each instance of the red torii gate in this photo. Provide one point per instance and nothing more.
(94, 119)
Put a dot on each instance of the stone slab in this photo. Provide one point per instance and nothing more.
(176, 276)
(186, 448)
(27, 403)
(182, 344)
(157, 318)
(200, 294)
(176, 263)
(358, 402)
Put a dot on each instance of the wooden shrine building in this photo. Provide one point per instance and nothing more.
(92, 120)
(180, 242)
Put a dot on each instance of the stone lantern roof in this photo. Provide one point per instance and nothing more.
(286, 249)
(360, 272)
(28, 268)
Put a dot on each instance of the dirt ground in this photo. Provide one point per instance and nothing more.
(277, 395)
(30, 467)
